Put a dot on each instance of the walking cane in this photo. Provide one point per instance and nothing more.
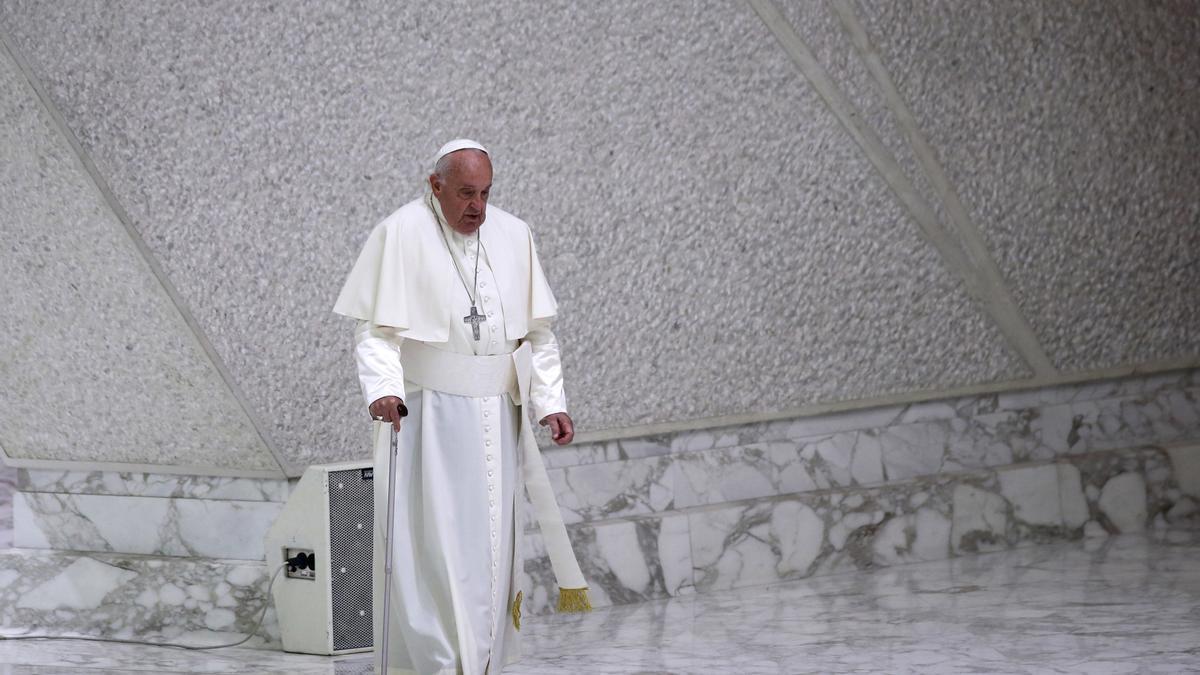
(387, 555)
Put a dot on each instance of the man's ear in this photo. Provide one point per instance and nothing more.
(435, 184)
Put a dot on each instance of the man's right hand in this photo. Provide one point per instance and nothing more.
(389, 409)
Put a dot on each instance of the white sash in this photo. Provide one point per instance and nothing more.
(478, 376)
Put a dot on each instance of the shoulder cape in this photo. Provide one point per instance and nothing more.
(404, 275)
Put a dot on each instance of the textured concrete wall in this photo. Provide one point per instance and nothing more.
(96, 363)
(718, 243)
(1071, 130)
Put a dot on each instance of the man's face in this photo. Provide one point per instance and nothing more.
(463, 191)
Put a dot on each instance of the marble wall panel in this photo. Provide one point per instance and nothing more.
(205, 528)
(990, 429)
(791, 537)
(96, 362)
(1128, 492)
(191, 601)
(644, 476)
(1135, 386)
(1185, 466)
(697, 208)
(615, 489)
(152, 485)
(762, 541)
(624, 561)
(1069, 132)
(8, 481)
(981, 519)
(631, 487)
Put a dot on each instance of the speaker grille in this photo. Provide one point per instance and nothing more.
(351, 513)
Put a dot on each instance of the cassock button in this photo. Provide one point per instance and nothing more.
(483, 283)
(486, 413)
(491, 314)
(487, 442)
(489, 458)
(487, 427)
(489, 472)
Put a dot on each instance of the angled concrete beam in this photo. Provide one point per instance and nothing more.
(110, 199)
(999, 299)
(993, 298)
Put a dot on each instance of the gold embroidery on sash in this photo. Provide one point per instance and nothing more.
(574, 600)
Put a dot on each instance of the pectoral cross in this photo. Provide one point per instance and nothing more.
(474, 318)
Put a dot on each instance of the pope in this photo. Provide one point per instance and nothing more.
(454, 351)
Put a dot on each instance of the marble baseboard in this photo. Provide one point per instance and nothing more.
(1036, 424)
(779, 538)
(153, 485)
(205, 528)
(676, 553)
(625, 561)
(146, 598)
(8, 479)
(645, 486)
(864, 448)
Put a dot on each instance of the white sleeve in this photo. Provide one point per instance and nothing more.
(546, 389)
(377, 352)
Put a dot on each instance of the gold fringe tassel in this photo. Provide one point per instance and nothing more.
(574, 600)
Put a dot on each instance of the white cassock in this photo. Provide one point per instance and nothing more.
(459, 469)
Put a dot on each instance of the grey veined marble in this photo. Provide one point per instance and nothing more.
(152, 485)
(149, 514)
(8, 480)
(203, 528)
(1121, 605)
(197, 601)
(634, 477)
(828, 531)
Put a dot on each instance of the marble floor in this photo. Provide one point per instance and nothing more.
(1127, 604)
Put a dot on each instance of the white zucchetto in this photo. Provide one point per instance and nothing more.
(456, 145)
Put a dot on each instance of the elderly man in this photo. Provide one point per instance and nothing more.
(453, 346)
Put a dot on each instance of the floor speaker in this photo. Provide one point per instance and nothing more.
(323, 535)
